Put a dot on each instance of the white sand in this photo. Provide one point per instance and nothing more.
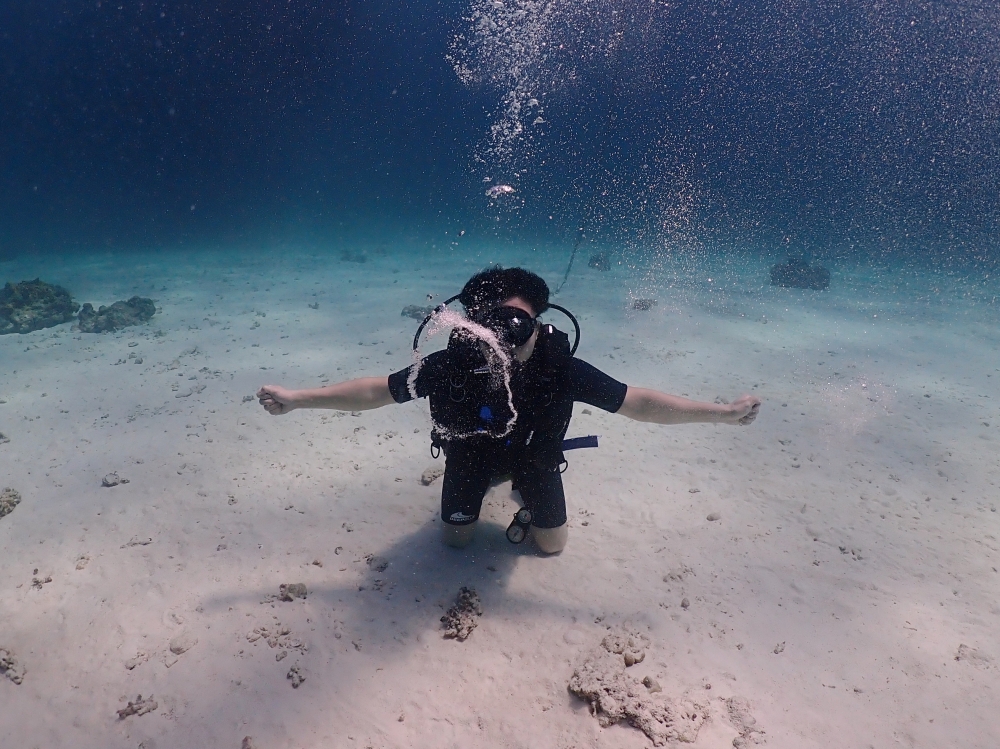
(858, 525)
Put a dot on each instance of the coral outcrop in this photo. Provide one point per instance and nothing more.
(135, 311)
(33, 305)
(797, 273)
(604, 679)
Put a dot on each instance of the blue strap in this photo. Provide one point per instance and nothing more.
(575, 443)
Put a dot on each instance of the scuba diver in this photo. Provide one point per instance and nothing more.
(501, 398)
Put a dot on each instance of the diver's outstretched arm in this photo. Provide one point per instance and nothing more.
(354, 395)
(642, 404)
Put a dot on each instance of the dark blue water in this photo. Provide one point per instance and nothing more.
(824, 128)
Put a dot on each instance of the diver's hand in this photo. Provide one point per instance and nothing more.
(743, 410)
(276, 400)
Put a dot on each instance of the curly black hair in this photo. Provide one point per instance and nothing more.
(497, 284)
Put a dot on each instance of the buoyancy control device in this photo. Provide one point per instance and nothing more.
(475, 402)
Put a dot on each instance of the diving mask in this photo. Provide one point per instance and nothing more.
(512, 325)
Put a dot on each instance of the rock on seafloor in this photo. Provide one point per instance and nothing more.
(602, 679)
(183, 643)
(460, 619)
(33, 305)
(797, 273)
(600, 261)
(431, 474)
(291, 591)
(11, 667)
(740, 717)
(9, 499)
(416, 312)
(139, 707)
(135, 311)
(112, 479)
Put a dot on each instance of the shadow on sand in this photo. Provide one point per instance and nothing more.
(375, 641)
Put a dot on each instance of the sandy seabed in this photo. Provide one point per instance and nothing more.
(846, 591)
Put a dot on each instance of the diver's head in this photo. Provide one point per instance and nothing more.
(507, 301)
(494, 286)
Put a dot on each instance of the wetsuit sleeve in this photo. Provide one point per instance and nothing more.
(427, 377)
(588, 384)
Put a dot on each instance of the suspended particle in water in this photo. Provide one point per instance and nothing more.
(497, 190)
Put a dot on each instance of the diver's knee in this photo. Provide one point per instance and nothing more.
(551, 540)
(457, 536)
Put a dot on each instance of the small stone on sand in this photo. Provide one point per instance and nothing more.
(416, 312)
(430, 475)
(652, 684)
(113, 479)
(183, 643)
(713, 516)
(139, 707)
(738, 709)
(631, 658)
(460, 619)
(630, 645)
(296, 676)
(291, 591)
(9, 499)
(971, 655)
(677, 574)
(38, 582)
(600, 261)
(11, 667)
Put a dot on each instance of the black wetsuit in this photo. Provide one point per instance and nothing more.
(473, 463)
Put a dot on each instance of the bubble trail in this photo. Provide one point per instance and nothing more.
(498, 360)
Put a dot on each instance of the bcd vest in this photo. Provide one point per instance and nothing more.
(468, 401)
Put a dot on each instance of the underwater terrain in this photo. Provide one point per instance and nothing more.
(792, 200)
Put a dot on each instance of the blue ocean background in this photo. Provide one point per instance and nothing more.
(824, 129)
